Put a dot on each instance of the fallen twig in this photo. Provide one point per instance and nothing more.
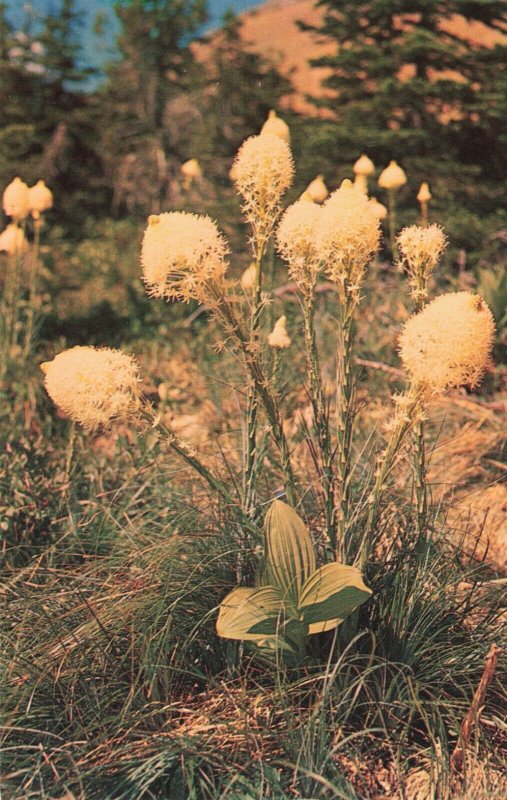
(472, 716)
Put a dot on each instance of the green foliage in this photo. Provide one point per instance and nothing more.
(48, 124)
(242, 88)
(493, 287)
(154, 68)
(294, 599)
(402, 86)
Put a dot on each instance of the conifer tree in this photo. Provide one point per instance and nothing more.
(407, 80)
(48, 126)
(154, 67)
(243, 88)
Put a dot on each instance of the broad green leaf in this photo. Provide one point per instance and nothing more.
(321, 627)
(289, 642)
(289, 553)
(251, 614)
(291, 636)
(331, 593)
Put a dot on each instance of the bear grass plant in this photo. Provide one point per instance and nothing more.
(116, 683)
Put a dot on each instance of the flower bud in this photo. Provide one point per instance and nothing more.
(16, 200)
(41, 199)
(318, 190)
(364, 166)
(424, 194)
(279, 338)
(248, 278)
(276, 127)
(191, 169)
(392, 177)
(379, 209)
(13, 240)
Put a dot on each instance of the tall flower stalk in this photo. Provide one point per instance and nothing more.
(409, 407)
(263, 170)
(95, 386)
(321, 418)
(226, 314)
(32, 287)
(421, 249)
(348, 237)
(41, 200)
(184, 257)
(252, 408)
(297, 239)
(392, 178)
(446, 345)
(424, 196)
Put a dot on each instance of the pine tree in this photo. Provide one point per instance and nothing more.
(154, 68)
(404, 81)
(243, 87)
(61, 43)
(48, 125)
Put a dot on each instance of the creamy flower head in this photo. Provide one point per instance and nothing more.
(348, 236)
(93, 386)
(276, 126)
(421, 249)
(16, 200)
(41, 199)
(364, 166)
(263, 171)
(424, 195)
(297, 241)
(248, 278)
(448, 343)
(392, 178)
(13, 240)
(279, 338)
(379, 209)
(181, 254)
(317, 189)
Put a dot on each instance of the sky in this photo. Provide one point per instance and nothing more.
(96, 51)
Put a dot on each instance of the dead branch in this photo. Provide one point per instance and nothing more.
(472, 716)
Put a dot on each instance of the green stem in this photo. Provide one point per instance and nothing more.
(228, 317)
(421, 491)
(419, 447)
(252, 412)
(69, 457)
(10, 308)
(181, 449)
(344, 418)
(404, 424)
(391, 195)
(321, 417)
(32, 290)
